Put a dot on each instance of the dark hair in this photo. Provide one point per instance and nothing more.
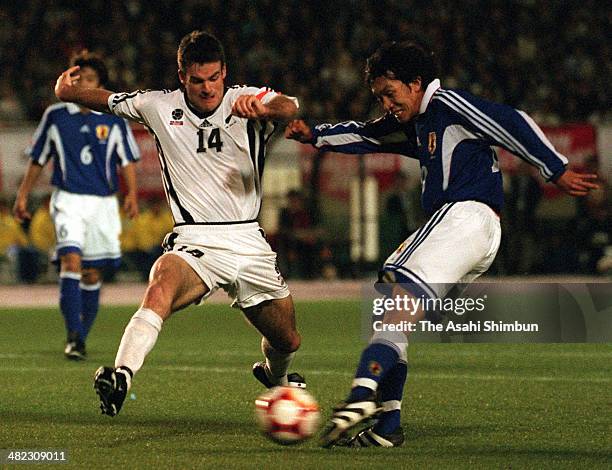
(405, 60)
(85, 58)
(199, 47)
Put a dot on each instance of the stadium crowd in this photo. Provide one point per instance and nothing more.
(547, 57)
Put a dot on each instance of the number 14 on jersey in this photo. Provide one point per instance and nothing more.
(209, 138)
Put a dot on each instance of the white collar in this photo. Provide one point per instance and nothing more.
(429, 91)
(74, 108)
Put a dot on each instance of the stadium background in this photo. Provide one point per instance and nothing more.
(548, 58)
(468, 405)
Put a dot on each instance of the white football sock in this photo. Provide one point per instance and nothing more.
(395, 339)
(277, 363)
(138, 339)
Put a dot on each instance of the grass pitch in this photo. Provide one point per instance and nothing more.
(466, 405)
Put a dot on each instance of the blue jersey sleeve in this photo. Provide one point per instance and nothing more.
(129, 151)
(382, 135)
(506, 127)
(42, 147)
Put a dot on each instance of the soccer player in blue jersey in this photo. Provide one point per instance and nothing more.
(451, 133)
(87, 148)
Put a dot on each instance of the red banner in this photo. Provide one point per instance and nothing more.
(338, 169)
(575, 141)
(149, 178)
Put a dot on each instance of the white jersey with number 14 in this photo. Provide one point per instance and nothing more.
(211, 167)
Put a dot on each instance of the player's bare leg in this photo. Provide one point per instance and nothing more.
(173, 285)
(91, 276)
(275, 320)
(71, 304)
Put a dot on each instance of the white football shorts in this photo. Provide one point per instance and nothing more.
(234, 257)
(87, 224)
(456, 245)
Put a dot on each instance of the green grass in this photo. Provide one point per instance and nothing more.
(466, 405)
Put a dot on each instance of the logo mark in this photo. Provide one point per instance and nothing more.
(177, 115)
(102, 132)
(375, 368)
(431, 143)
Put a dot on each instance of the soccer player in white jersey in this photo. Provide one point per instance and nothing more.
(211, 142)
(451, 133)
(87, 148)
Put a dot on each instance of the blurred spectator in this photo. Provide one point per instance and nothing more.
(402, 214)
(141, 241)
(523, 195)
(529, 50)
(558, 254)
(11, 109)
(35, 260)
(547, 57)
(301, 246)
(12, 235)
(604, 264)
(593, 235)
(42, 233)
(12, 240)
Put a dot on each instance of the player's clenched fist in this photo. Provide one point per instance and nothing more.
(250, 107)
(20, 209)
(298, 130)
(65, 83)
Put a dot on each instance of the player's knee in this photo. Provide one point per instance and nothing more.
(296, 342)
(158, 297)
(70, 262)
(290, 343)
(91, 276)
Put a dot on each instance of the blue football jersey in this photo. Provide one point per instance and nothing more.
(86, 149)
(452, 137)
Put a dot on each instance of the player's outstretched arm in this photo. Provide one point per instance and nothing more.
(20, 208)
(298, 130)
(576, 184)
(382, 135)
(280, 108)
(130, 201)
(92, 98)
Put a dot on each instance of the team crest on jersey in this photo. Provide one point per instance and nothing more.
(431, 143)
(375, 368)
(177, 115)
(102, 131)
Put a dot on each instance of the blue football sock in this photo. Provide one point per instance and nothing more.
(70, 302)
(391, 392)
(90, 295)
(376, 360)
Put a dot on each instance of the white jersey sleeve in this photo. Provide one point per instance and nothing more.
(136, 106)
(264, 94)
(211, 165)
